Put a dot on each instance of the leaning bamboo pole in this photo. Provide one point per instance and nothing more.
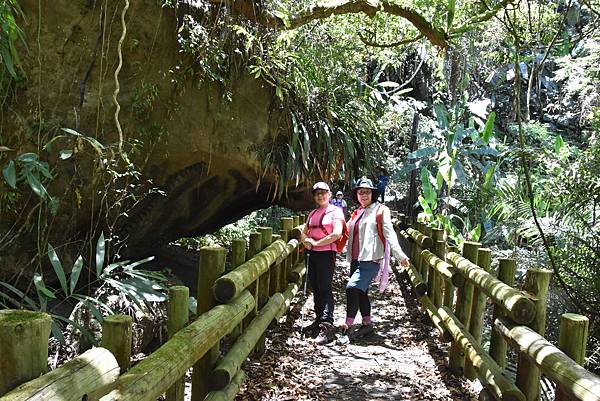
(147, 380)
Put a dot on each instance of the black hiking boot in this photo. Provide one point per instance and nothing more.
(312, 329)
(364, 330)
(325, 334)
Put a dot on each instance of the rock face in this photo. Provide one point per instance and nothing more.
(197, 145)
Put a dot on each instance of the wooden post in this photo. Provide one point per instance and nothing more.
(283, 276)
(210, 267)
(238, 257)
(275, 272)
(263, 284)
(572, 341)
(238, 252)
(439, 249)
(287, 224)
(177, 314)
(484, 260)
(506, 273)
(23, 346)
(116, 337)
(464, 303)
(253, 248)
(421, 267)
(537, 282)
(296, 220)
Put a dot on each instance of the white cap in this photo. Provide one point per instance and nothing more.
(320, 185)
(339, 193)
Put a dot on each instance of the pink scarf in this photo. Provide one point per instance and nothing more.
(383, 276)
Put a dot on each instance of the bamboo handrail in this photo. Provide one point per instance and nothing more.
(552, 361)
(445, 268)
(518, 306)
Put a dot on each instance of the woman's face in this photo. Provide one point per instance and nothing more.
(322, 197)
(364, 196)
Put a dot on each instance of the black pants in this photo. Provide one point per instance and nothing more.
(356, 298)
(321, 265)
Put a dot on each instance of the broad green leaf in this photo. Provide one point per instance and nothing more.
(488, 130)
(36, 185)
(451, 10)
(429, 192)
(100, 251)
(38, 281)
(75, 272)
(94, 301)
(475, 233)
(10, 174)
(426, 209)
(489, 175)
(58, 269)
(417, 154)
(446, 169)
(558, 144)
(20, 293)
(440, 113)
(57, 332)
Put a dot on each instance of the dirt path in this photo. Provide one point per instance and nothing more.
(402, 361)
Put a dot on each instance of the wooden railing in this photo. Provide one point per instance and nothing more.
(265, 276)
(453, 288)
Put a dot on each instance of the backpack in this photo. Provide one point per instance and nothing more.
(340, 243)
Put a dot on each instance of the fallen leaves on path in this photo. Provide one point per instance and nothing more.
(402, 360)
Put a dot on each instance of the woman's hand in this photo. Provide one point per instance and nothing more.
(309, 243)
(404, 262)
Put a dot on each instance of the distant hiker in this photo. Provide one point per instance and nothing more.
(324, 226)
(382, 182)
(371, 238)
(340, 202)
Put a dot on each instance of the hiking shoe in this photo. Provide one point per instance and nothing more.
(343, 338)
(363, 331)
(325, 334)
(312, 329)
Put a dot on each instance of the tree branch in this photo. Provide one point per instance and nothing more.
(337, 7)
(368, 42)
(477, 19)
